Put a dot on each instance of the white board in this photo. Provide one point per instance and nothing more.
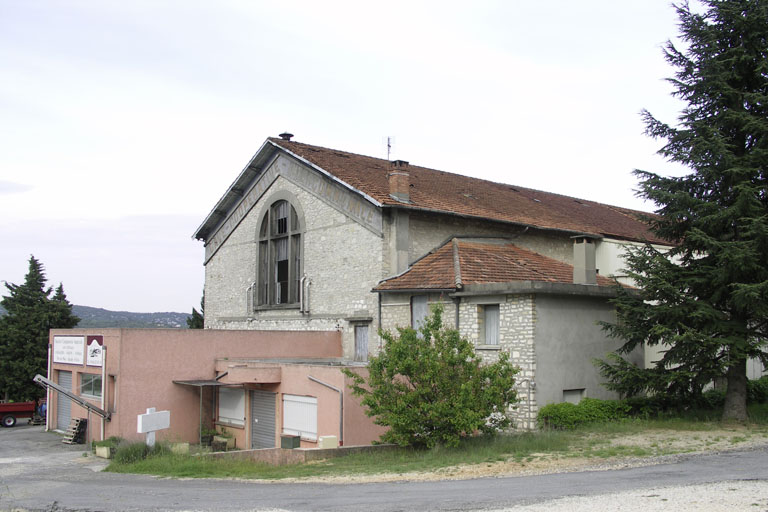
(153, 421)
(69, 349)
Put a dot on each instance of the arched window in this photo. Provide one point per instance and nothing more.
(279, 255)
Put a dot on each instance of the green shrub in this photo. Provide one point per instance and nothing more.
(590, 410)
(430, 387)
(129, 452)
(757, 391)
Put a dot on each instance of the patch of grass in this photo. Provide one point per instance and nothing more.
(594, 440)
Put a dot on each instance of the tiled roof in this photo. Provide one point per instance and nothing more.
(462, 195)
(481, 263)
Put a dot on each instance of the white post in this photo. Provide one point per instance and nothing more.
(151, 433)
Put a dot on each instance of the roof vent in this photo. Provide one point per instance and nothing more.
(286, 136)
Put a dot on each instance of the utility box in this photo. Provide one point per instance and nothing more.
(328, 442)
(290, 442)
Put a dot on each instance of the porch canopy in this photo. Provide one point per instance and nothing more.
(200, 384)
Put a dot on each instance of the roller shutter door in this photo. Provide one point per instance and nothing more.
(64, 404)
(262, 419)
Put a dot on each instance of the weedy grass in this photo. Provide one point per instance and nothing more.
(600, 440)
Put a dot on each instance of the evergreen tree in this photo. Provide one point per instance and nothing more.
(705, 301)
(31, 312)
(196, 320)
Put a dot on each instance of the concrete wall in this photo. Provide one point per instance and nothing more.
(428, 230)
(145, 362)
(567, 339)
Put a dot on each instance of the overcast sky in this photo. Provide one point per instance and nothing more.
(122, 123)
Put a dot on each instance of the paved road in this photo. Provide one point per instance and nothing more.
(36, 471)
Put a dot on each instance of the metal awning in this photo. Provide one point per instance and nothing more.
(199, 383)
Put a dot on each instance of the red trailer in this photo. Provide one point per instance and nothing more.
(9, 412)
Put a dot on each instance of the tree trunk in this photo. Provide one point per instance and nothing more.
(735, 408)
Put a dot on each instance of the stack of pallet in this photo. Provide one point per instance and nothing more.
(76, 432)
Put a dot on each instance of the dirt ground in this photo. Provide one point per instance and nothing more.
(659, 446)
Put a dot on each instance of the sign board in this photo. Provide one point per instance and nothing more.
(153, 421)
(69, 349)
(95, 354)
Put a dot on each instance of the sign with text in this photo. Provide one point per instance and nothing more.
(69, 349)
(95, 355)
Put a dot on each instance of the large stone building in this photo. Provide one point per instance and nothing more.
(314, 239)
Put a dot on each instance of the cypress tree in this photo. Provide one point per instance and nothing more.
(705, 301)
(31, 312)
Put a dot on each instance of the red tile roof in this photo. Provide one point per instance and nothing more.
(481, 263)
(453, 193)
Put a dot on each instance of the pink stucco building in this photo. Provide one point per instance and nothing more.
(255, 385)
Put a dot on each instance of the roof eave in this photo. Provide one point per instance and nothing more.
(201, 233)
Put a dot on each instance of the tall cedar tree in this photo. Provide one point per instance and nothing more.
(197, 319)
(705, 301)
(430, 388)
(31, 311)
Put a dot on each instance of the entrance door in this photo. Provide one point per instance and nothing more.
(63, 404)
(262, 419)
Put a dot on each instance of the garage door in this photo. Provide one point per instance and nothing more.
(262, 419)
(64, 404)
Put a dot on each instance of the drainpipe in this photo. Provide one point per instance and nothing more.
(48, 390)
(380, 327)
(341, 406)
(103, 385)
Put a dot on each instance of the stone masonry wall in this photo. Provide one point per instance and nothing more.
(517, 325)
(341, 258)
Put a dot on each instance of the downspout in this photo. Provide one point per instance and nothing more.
(457, 277)
(341, 406)
(48, 390)
(103, 385)
(380, 327)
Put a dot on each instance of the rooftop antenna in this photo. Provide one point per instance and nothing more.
(390, 140)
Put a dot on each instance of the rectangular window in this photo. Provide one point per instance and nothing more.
(90, 385)
(419, 310)
(573, 396)
(300, 416)
(232, 406)
(491, 322)
(361, 343)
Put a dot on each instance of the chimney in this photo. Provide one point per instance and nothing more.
(286, 136)
(584, 266)
(399, 181)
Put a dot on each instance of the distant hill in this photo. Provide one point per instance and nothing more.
(98, 317)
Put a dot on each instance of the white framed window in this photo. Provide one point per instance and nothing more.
(232, 406)
(419, 310)
(90, 385)
(300, 416)
(491, 324)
